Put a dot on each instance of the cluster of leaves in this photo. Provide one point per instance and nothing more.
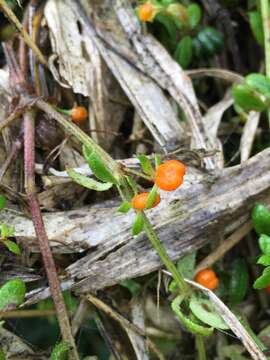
(183, 35)
(261, 221)
(148, 171)
(103, 173)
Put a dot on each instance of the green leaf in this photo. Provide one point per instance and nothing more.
(261, 219)
(194, 15)
(12, 246)
(256, 25)
(264, 243)
(173, 287)
(99, 169)
(146, 164)
(151, 197)
(186, 265)
(124, 207)
(88, 182)
(264, 260)
(7, 231)
(179, 14)
(215, 37)
(60, 351)
(238, 282)
(3, 202)
(169, 36)
(193, 327)
(204, 310)
(133, 286)
(138, 224)
(12, 292)
(211, 41)
(259, 82)
(247, 98)
(183, 52)
(263, 280)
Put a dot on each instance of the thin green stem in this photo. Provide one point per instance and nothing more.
(160, 249)
(266, 29)
(200, 347)
(64, 111)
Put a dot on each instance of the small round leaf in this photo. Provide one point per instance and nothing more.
(261, 219)
(12, 292)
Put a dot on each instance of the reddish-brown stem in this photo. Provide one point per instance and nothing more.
(29, 161)
(23, 59)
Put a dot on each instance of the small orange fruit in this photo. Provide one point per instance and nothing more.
(170, 175)
(79, 114)
(267, 289)
(207, 278)
(139, 201)
(146, 12)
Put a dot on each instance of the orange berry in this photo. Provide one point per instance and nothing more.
(146, 12)
(170, 175)
(139, 201)
(79, 114)
(267, 289)
(207, 278)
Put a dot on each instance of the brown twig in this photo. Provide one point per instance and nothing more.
(16, 314)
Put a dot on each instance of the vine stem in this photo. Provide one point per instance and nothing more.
(160, 249)
(200, 347)
(266, 29)
(29, 166)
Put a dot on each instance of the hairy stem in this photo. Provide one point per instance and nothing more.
(160, 249)
(29, 162)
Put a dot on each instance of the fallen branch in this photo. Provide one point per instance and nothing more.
(199, 212)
